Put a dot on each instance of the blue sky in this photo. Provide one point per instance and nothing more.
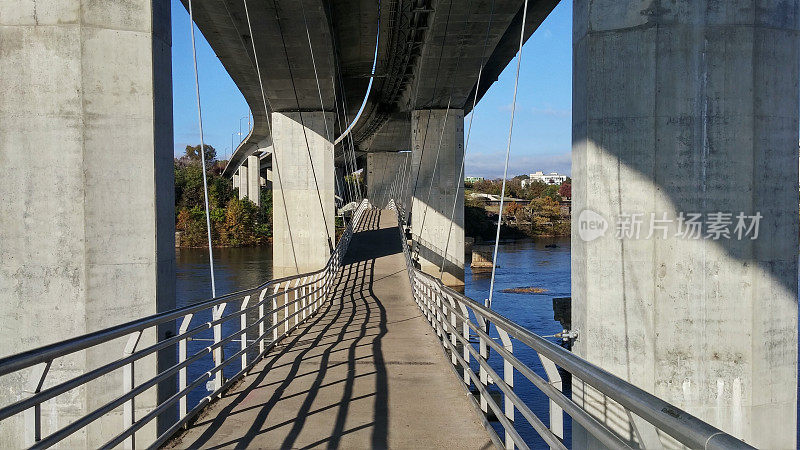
(542, 128)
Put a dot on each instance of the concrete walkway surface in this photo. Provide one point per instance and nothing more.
(366, 372)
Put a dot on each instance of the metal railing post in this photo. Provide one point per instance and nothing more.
(452, 310)
(182, 382)
(128, 382)
(274, 325)
(304, 298)
(484, 354)
(465, 335)
(243, 329)
(296, 302)
(441, 316)
(556, 413)
(218, 353)
(261, 320)
(317, 293)
(508, 377)
(33, 416)
(286, 308)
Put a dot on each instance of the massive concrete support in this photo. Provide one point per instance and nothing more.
(383, 171)
(303, 232)
(267, 180)
(254, 179)
(684, 108)
(87, 218)
(242, 178)
(437, 140)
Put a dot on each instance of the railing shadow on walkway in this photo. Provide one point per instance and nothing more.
(356, 318)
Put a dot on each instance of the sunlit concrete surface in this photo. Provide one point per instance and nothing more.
(687, 108)
(302, 194)
(366, 372)
(437, 191)
(87, 222)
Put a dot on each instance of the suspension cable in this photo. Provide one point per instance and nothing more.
(352, 125)
(339, 121)
(469, 132)
(319, 88)
(430, 107)
(314, 64)
(441, 138)
(202, 152)
(303, 125)
(355, 184)
(269, 126)
(508, 151)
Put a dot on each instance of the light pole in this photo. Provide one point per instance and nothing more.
(233, 146)
(240, 125)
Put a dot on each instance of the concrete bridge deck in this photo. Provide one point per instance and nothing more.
(366, 372)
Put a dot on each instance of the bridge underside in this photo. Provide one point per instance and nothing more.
(428, 56)
(366, 372)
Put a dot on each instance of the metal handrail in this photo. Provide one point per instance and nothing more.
(445, 308)
(309, 291)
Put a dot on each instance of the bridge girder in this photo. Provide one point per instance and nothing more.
(428, 56)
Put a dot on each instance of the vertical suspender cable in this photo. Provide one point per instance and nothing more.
(303, 126)
(340, 121)
(469, 132)
(202, 152)
(439, 147)
(508, 151)
(319, 90)
(269, 126)
(415, 244)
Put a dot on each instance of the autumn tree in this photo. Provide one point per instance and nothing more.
(565, 191)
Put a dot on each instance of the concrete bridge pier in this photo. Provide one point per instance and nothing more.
(267, 180)
(241, 179)
(303, 232)
(688, 108)
(254, 179)
(382, 171)
(439, 133)
(87, 218)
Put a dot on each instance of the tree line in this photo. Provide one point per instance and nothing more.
(545, 214)
(234, 222)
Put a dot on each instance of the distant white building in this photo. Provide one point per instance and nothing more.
(550, 178)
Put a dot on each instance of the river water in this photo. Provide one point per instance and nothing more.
(541, 263)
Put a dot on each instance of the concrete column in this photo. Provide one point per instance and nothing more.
(267, 180)
(236, 180)
(688, 107)
(254, 179)
(242, 171)
(302, 231)
(87, 219)
(442, 132)
(382, 170)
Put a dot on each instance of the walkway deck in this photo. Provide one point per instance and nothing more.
(367, 372)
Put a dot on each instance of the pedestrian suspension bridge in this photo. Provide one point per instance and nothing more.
(367, 352)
